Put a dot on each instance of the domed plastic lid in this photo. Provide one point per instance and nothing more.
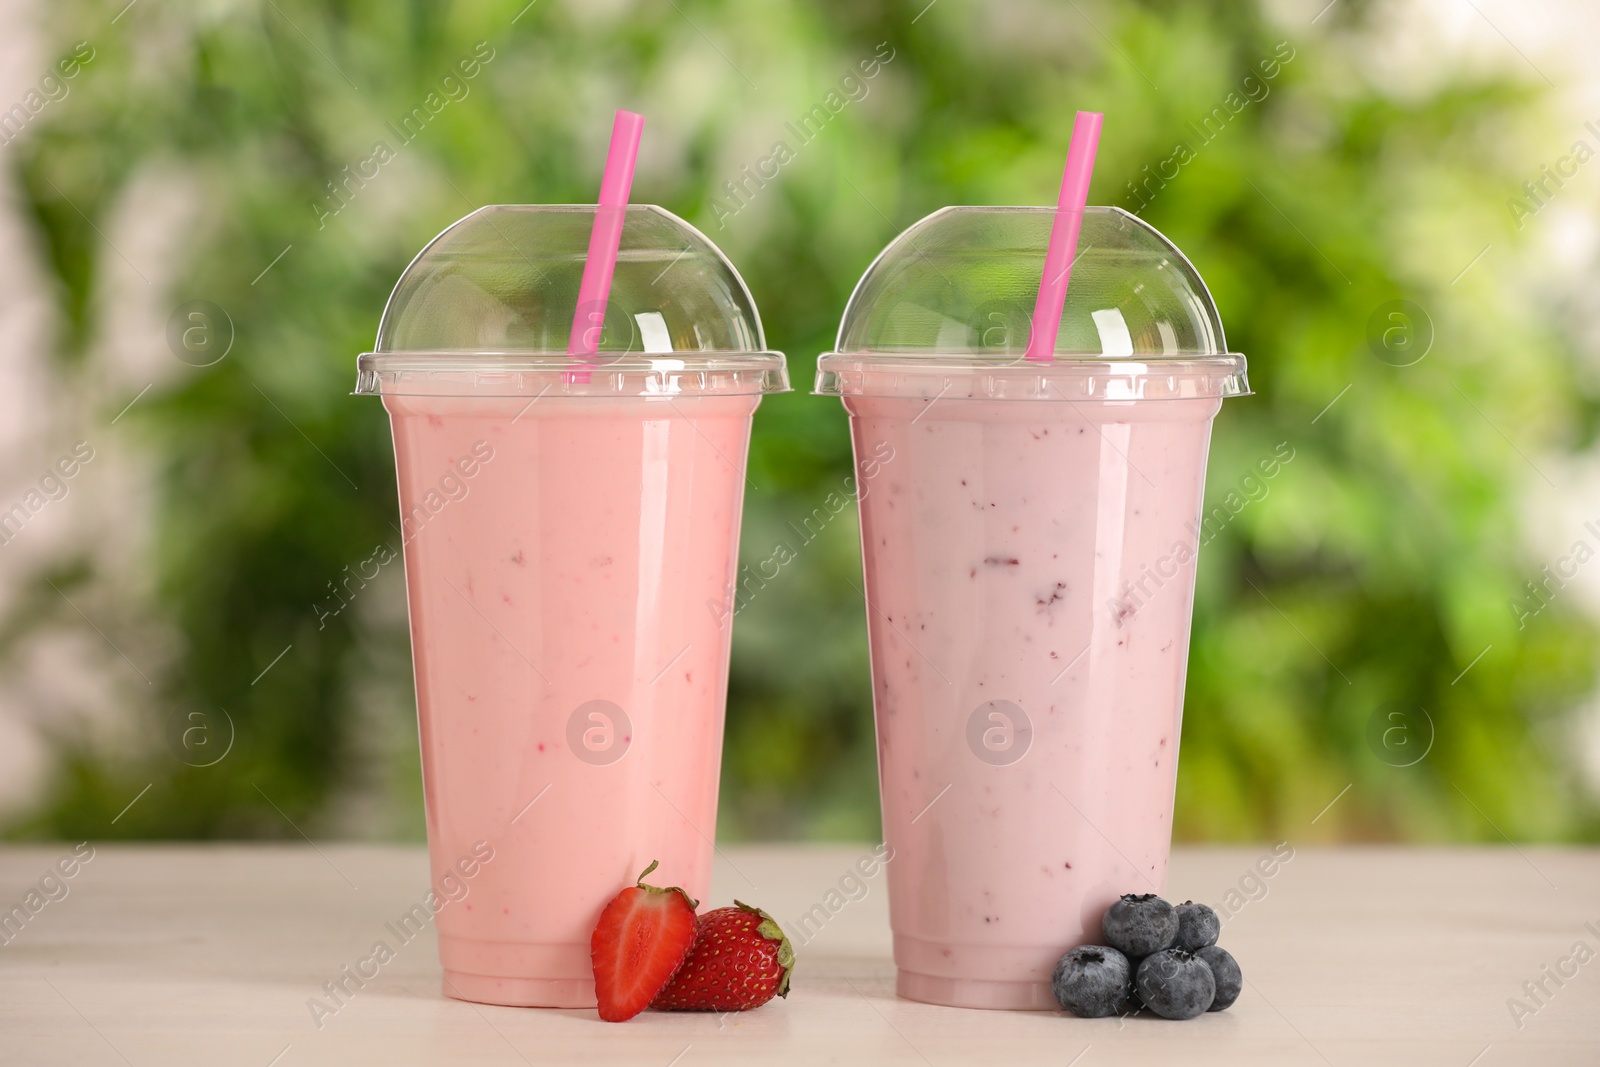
(487, 309)
(948, 305)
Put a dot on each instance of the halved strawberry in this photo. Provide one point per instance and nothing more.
(740, 960)
(640, 941)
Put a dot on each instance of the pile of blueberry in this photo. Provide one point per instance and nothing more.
(1158, 956)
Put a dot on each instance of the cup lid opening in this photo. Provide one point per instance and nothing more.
(955, 293)
(488, 307)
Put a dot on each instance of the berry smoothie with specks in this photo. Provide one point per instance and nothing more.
(1030, 561)
(564, 562)
(1029, 575)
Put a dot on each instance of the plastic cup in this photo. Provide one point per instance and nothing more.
(563, 539)
(1029, 556)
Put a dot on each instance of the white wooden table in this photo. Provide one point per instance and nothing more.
(162, 955)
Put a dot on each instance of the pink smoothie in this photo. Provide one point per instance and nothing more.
(559, 554)
(1041, 554)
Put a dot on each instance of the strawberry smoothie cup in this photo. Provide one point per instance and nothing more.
(1029, 561)
(566, 520)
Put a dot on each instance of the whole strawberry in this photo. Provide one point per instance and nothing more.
(643, 936)
(740, 960)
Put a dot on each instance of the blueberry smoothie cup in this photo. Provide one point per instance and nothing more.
(565, 525)
(1029, 563)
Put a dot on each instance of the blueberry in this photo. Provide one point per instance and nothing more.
(1198, 926)
(1176, 985)
(1225, 970)
(1093, 981)
(1139, 925)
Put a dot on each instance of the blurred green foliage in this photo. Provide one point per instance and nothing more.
(1377, 566)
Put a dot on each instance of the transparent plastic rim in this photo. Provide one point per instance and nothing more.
(1076, 379)
(492, 373)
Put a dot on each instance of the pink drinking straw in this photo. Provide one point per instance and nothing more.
(590, 315)
(1064, 236)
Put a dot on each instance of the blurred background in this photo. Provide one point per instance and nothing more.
(1395, 205)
